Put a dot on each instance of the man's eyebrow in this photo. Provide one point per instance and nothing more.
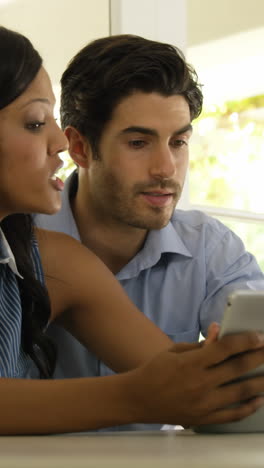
(138, 129)
(31, 101)
(153, 132)
(185, 129)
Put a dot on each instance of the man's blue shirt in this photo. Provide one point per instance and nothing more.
(180, 279)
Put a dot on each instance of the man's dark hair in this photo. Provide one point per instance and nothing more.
(109, 69)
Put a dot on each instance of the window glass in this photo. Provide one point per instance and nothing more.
(252, 234)
(227, 156)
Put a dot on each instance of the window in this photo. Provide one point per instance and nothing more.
(226, 177)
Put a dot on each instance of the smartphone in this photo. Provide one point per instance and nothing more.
(244, 311)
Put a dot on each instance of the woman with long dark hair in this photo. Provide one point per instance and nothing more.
(46, 276)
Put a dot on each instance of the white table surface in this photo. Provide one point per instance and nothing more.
(163, 449)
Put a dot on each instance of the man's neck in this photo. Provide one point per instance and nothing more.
(115, 244)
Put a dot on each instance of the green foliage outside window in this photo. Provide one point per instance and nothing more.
(68, 166)
(227, 164)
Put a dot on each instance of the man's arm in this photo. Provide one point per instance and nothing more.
(229, 267)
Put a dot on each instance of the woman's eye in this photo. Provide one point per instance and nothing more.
(34, 126)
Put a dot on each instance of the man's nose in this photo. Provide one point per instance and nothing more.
(163, 164)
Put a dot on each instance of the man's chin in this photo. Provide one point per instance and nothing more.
(159, 220)
(148, 219)
(159, 224)
(150, 224)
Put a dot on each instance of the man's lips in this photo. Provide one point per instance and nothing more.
(161, 199)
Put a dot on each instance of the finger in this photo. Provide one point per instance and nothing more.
(230, 345)
(237, 366)
(235, 413)
(212, 333)
(235, 392)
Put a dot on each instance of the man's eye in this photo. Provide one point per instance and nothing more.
(178, 143)
(34, 126)
(137, 144)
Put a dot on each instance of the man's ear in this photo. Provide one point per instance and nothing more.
(79, 147)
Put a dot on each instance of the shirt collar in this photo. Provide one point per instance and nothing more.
(6, 254)
(70, 188)
(167, 240)
(157, 243)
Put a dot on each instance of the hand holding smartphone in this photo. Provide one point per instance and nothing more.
(244, 312)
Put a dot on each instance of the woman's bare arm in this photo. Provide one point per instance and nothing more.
(188, 384)
(183, 385)
(89, 302)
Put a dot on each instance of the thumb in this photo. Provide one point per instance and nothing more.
(212, 333)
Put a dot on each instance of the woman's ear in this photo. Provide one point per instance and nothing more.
(79, 147)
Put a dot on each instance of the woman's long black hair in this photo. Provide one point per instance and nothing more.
(19, 65)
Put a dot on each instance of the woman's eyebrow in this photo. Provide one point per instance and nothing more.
(31, 101)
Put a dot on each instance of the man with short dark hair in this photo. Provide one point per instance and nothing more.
(127, 107)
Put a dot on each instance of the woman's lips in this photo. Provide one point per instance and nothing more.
(57, 183)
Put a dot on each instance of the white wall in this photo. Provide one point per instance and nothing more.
(160, 20)
(57, 28)
(214, 19)
(225, 45)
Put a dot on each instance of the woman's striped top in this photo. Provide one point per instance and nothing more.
(13, 360)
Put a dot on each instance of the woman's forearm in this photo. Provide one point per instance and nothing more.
(68, 405)
(187, 385)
